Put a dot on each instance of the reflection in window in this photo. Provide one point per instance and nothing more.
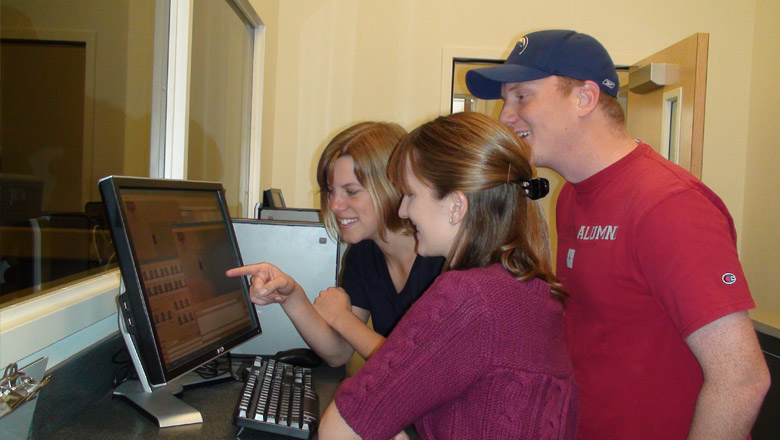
(220, 91)
(71, 115)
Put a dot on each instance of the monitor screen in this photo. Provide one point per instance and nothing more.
(174, 242)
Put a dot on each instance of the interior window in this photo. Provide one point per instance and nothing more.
(220, 91)
(71, 115)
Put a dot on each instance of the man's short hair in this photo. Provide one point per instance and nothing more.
(608, 104)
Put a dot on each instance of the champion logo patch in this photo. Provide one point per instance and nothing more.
(728, 278)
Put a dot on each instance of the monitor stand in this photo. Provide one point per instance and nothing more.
(160, 403)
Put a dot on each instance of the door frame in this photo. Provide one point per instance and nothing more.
(693, 78)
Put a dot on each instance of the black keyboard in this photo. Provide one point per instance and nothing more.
(278, 398)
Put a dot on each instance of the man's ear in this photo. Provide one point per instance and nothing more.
(459, 207)
(588, 97)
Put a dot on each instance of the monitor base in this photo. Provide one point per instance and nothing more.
(161, 403)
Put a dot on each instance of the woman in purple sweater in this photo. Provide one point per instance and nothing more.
(480, 355)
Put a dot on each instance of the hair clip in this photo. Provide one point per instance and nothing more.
(535, 188)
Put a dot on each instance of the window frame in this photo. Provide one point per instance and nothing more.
(70, 318)
(168, 158)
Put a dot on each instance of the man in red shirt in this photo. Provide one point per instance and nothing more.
(656, 326)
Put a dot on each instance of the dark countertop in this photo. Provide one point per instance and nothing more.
(116, 418)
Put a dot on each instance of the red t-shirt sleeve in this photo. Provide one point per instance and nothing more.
(686, 247)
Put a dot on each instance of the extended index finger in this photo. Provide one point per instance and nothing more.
(251, 269)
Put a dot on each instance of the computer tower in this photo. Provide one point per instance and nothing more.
(302, 250)
(289, 214)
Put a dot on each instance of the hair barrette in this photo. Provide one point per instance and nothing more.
(535, 188)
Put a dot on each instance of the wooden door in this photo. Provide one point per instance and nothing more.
(684, 92)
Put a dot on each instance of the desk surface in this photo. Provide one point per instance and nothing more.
(116, 418)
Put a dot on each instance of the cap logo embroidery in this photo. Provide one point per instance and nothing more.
(521, 45)
(729, 278)
(608, 83)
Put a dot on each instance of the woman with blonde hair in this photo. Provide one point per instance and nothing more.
(382, 275)
(481, 353)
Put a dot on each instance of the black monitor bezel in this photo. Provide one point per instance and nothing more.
(137, 309)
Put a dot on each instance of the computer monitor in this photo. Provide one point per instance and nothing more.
(174, 241)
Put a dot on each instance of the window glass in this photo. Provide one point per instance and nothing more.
(220, 92)
(71, 115)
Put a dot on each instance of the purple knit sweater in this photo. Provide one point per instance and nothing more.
(479, 356)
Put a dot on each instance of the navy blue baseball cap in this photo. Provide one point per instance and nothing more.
(544, 53)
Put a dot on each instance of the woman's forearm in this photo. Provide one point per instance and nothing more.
(323, 339)
(358, 335)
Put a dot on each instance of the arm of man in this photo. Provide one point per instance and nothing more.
(736, 378)
(685, 263)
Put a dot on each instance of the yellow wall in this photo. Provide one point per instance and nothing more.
(342, 61)
(761, 234)
(268, 10)
(336, 62)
